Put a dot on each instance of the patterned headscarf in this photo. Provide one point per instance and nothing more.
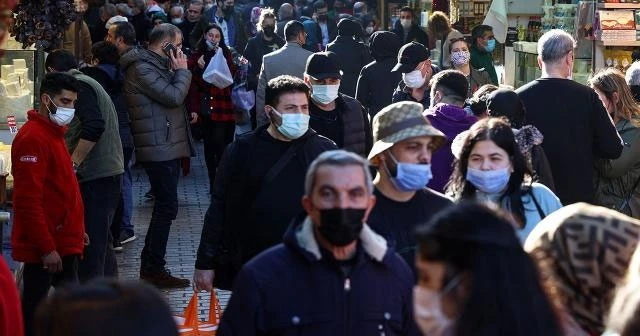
(583, 252)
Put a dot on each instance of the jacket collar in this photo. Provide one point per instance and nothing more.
(373, 244)
(34, 116)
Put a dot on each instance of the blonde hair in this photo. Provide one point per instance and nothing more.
(611, 80)
(265, 13)
(439, 24)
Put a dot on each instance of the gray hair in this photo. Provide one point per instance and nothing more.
(633, 74)
(140, 5)
(123, 9)
(162, 32)
(339, 158)
(285, 11)
(178, 7)
(108, 9)
(555, 44)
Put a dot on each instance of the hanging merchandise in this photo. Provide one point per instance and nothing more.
(43, 23)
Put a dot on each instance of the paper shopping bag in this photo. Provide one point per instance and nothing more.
(217, 71)
(189, 325)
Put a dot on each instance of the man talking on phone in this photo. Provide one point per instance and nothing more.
(156, 84)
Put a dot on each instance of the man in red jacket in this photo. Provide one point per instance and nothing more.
(48, 226)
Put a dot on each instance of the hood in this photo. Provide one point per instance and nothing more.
(144, 55)
(384, 44)
(300, 237)
(349, 28)
(527, 137)
(625, 125)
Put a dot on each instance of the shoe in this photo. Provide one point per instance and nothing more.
(117, 247)
(164, 279)
(127, 237)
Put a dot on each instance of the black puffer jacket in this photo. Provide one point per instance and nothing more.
(377, 83)
(155, 97)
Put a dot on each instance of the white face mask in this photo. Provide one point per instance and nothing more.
(176, 21)
(369, 30)
(427, 309)
(324, 94)
(405, 23)
(414, 79)
(62, 116)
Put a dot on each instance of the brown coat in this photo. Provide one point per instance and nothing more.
(78, 43)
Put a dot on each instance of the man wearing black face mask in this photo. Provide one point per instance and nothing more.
(266, 41)
(330, 262)
(328, 26)
(224, 15)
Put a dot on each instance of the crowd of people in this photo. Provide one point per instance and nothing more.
(379, 189)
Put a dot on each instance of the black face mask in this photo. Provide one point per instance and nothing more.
(340, 227)
(268, 31)
(227, 10)
(323, 17)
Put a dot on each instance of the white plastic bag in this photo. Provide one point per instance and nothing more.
(217, 71)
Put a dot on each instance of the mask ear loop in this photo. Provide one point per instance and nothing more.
(384, 164)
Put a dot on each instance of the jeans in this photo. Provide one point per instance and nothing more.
(216, 135)
(100, 198)
(122, 216)
(36, 284)
(163, 177)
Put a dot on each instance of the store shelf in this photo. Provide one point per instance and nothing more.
(618, 6)
(620, 43)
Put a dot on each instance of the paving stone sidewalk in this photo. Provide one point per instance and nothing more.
(193, 197)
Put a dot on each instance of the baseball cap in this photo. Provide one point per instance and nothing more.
(401, 121)
(322, 65)
(410, 55)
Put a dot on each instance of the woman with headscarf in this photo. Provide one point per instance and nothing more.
(376, 82)
(353, 55)
(583, 252)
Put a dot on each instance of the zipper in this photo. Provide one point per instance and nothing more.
(347, 290)
(168, 131)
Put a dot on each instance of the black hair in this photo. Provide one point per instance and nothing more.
(105, 307)
(319, 4)
(126, 31)
(202, 45)
(453, 84)
(105, 52)
(292, 29)
(407, 9)
(478, 102)
(478, 31)
(497, 130)
(281, 85)
(506, 103)
(163, 31)
(53, 84)
(61, 60)
(502, 293)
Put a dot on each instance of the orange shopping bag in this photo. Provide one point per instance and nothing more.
(189, 325)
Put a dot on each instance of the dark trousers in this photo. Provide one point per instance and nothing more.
(163, 177)
(216, 135)
(119, 220)
(100, 198)
(36, 284)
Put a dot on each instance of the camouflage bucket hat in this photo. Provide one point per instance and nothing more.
(401, 121)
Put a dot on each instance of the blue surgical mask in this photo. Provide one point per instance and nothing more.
(210, 44)
(491, 44)
(294, 125)
(324, 94)
(410, 176)
(489, 181)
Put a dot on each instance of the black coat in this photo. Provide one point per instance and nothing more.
(353, 56)
(416, 34)
(256, 48)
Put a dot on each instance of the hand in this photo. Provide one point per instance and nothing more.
(52, 262)
(86, 239)
(203, 280)
(178, 60)
(194, 118)
(201, 62)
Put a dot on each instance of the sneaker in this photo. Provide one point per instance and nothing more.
(117, 247)
(164, 279)
(127, 237)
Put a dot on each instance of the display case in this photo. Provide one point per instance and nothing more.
(21, 72)
(526, 69)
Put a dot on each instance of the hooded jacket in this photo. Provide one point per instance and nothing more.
(376, 82)
(155, 97)
(297, 288)
(450, 120)
(353, 55)
(616, 178)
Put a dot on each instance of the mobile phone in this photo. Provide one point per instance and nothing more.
(168, 47)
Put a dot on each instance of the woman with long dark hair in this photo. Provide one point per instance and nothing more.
(474, 278)
(490, 167)
(617, 180)
(214, 104)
